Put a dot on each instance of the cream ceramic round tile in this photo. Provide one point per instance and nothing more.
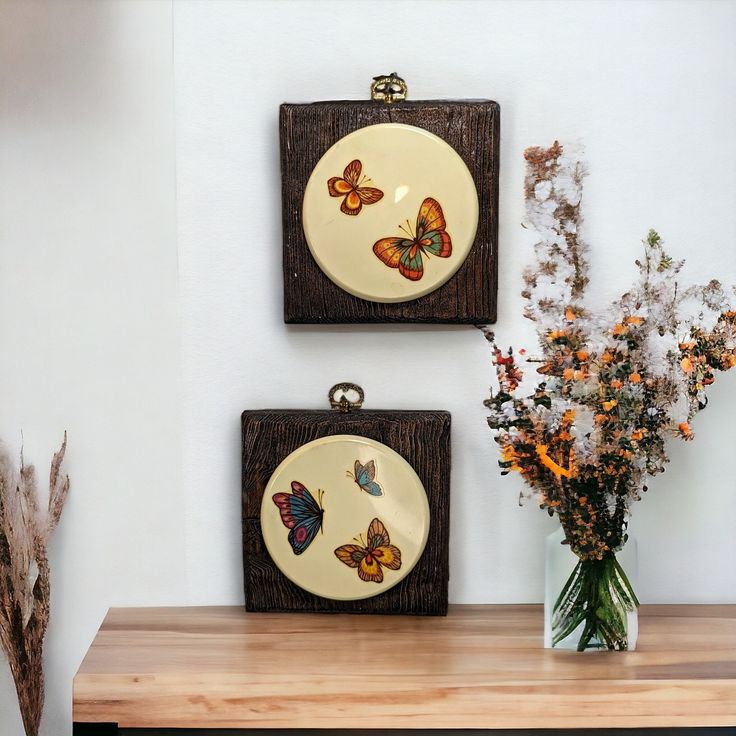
(390, 212)
(345, 517)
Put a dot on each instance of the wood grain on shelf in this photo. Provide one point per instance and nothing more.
(481, 667)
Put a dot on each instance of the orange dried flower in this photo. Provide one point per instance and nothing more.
(687, 365)
(608, 405)
(556, 335)
(570, 316)
(634, 319)
(638, 434)
(616, 383)
(620, 329)
(509, 455)
(568, 374)
(685, 430)
(549, 463)
(582, 355)
(635, 378)
(607, 357)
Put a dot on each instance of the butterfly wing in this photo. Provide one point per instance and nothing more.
(372, 487)
(411, 265)
(352, 204)
(380, 548)
(283, 501)
(437, 243)
(345, 185)
(301, 514)
(303, 534)
(431, 234)
(338, 187)
(369, 195)
(369, 470)
(390, 250)
(430, 217)
(364, 477)
(377, 535)
(304, 498)
(370, 570)
(388, 555)
(351, 554)
(352, 173)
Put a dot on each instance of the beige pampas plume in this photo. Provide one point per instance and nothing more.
(25, 529)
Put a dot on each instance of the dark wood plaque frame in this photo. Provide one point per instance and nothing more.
(422, 438)
(472, 128)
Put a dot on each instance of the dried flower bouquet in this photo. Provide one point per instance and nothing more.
(25, 592)
(611, 388)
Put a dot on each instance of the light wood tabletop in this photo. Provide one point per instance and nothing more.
(481, 667)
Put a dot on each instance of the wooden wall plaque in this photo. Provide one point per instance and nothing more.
(307, 131)
(422, 438)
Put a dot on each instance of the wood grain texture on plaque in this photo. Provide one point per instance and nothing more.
(481, 667)
(472, 128)
(422, 438)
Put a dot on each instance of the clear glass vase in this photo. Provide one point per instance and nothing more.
(590, 604)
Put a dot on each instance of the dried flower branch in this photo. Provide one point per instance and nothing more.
(613, 387)
(24, 575)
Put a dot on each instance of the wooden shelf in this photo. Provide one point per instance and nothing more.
(481, 667)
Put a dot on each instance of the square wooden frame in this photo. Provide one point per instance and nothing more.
(472, 128)
(421, 437)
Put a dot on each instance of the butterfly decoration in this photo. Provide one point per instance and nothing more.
(364, 476)
(429, 238)
(371, 558)
(350, 186)
(301, 513)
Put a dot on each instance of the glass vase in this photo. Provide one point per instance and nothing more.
(590, 604)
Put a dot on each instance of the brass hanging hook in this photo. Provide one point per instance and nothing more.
(343, 404)
(388, 88)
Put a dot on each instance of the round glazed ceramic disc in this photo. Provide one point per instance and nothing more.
(345, 517)
(390, 212)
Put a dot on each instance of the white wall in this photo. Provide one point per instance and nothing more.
(89, 321)
(646, 86)
(88, 269)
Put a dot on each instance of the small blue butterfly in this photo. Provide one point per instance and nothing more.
(364, 475)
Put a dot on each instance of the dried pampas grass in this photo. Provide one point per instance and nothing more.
(25, 529)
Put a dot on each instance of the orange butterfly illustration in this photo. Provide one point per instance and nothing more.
(350, 186)
(371, 558)
(430, 238)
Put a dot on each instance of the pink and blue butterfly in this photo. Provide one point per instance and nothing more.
(364, 476)
(301, 513)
